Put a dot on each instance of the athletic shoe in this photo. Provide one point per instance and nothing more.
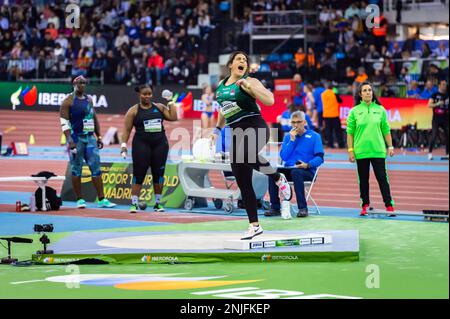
(252, 232)
(364, 210)
(303, 212)
(285, 188)
(390, 210)
(272, 212)
(133, 209)
(158, 208)
(81, 203)
(105, 203)
(445, 157)
(430, 156)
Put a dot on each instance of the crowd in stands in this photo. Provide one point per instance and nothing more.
(349, 52)
(125, 41)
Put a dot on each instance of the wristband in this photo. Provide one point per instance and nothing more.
(217, 130)
(123, 145)
(350, 150)
(391, 147)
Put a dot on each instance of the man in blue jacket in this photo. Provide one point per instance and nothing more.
(302, 153)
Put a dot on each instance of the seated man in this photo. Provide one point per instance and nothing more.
(302, 153)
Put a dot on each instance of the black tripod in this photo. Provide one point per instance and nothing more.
(8, 260)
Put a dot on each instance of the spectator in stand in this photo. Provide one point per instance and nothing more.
(414, 91)
(155, 67)
(52, 66)
(14, 68)
(137, 49)
(310, 107)
(17, 50)
(121, 39)
(48, 44)
(317, 93)
(4, 22)
(62, 41)
(351, 11)
(299, 95)
(349, 75)
(328, 64)
(111, 67)
(87, 41)
(428, 90)
(386, 91)
(362, 76)
(28, 68)
(388, 70)
(441, 51)
(378, 76)
(373, 53)
(405, 76)
(98, 65)
(75, 43)
(193, 29)
(300, 61)
(331, 102)
(100, 43)
(204, 21)
(426, 51)
(123, 68)
(311, 63)
(52, 31)
(82, 64)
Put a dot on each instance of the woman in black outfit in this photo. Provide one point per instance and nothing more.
(150, 145)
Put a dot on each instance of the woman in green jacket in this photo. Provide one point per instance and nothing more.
(368, 133)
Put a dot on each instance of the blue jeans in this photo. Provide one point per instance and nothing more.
(296, 175)
(158, 74)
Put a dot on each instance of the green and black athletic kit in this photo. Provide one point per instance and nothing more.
(368, 125)
(250, 134)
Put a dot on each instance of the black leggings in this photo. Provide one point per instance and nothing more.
(439, 121)
(379, 168)
(149, 153)
(249, 136)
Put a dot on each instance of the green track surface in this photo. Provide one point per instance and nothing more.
(412, 258)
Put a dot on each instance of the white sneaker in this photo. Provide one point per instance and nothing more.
(285, 188)
(252, 232)
(430, 156)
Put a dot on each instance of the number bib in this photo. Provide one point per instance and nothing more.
(152, 126)
(229, 109)
(88, 125)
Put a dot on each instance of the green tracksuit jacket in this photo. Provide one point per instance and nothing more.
(369, 125)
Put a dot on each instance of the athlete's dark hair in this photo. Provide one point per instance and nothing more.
(139, 88)
(358, 97)
(234, 54)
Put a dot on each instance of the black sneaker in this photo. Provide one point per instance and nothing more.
(272, 212)
(158, 208)
(303, 212)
